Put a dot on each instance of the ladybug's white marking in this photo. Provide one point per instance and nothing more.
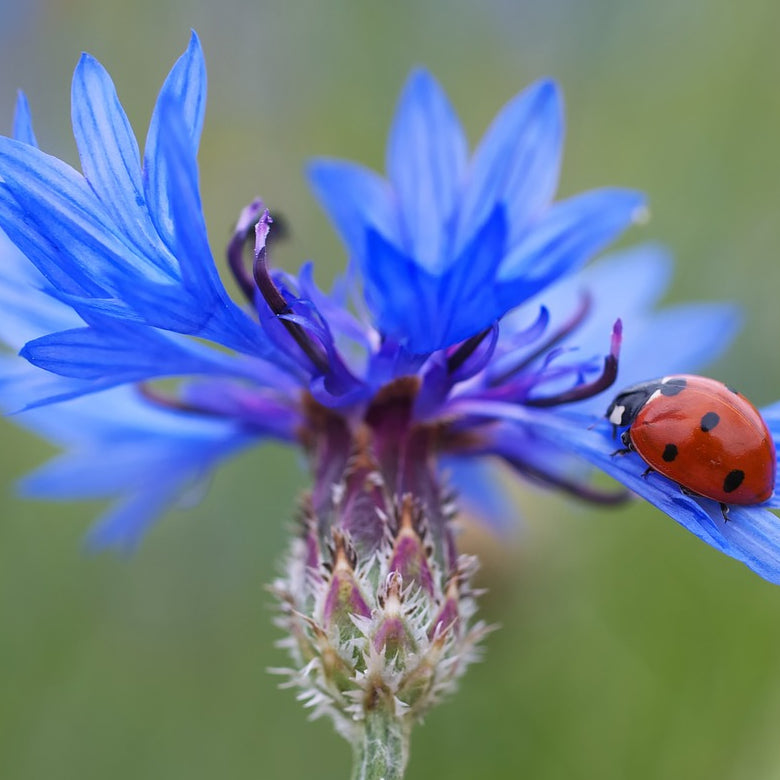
(616, 418)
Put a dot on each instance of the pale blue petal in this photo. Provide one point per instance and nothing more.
(225, 322)
(27, 311)
(23, 126)
(426, 158)
(751, 535)
(481, 491)
(116, 414)
(568, 234)
(517, 162)
(185, 88)
(356, 200)
(49, 211)
(123, 352)
(110, 158)
(626, 285)
(124, 525)
(121, 446)
(678, 339)
(427, 312)
(620, 284)
(400, 294)
(24, 386)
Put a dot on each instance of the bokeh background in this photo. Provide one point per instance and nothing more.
(627, 648)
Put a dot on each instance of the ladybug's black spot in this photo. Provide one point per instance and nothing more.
(670, 452)
(673, 386)
(733, 480)
(709, 421)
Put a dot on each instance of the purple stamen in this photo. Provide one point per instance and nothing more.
(276, 301)
(577, 489)
(154, 396)
(602, 382)
(466, 350)
(265, 284)
(567, 328)
(235, 251)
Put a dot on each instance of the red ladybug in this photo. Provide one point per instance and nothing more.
(707, 438)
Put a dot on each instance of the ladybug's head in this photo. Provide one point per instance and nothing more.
(626, 405)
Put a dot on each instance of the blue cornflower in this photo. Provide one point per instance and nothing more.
(467, 331)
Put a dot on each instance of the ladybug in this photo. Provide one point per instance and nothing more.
(702, 435)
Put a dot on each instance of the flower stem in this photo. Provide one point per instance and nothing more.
(382, 747)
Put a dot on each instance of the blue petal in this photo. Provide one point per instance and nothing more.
(64, 231)
(27, 311)
(23, 127)
(400, 294)
(120, 352)
(274, 414)
(124, 525)
(621, 284)
(467, 301)
(482, 492)
(356, 200)
(23, 386)
(49, 211)
(428, 312)
(174, 155)
(119, 445)
(110, 158)
(224, 322)
(677, 339)
(185, 88)
(568, 234)
(517, 162)
(751, 535)
(426, 158)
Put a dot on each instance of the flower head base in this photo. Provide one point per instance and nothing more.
(377, 606)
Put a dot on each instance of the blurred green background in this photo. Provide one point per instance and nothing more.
(627, 647)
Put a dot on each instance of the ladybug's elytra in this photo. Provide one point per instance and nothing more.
(699, 433)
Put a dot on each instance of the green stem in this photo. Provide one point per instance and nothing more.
(382, 748)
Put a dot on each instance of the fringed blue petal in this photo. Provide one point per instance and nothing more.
(185, 88)
(517, 162)
(357, 201)
(568, 234)
(426, 160)
(110, 158)
(119, 445)
(23, 126)
(750, 535)
(426, 312)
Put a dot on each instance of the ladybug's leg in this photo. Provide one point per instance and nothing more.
(724, 508)
(648, 471)
(627, 446)
(622, 451)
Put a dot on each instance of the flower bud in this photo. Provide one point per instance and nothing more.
(377, 608)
